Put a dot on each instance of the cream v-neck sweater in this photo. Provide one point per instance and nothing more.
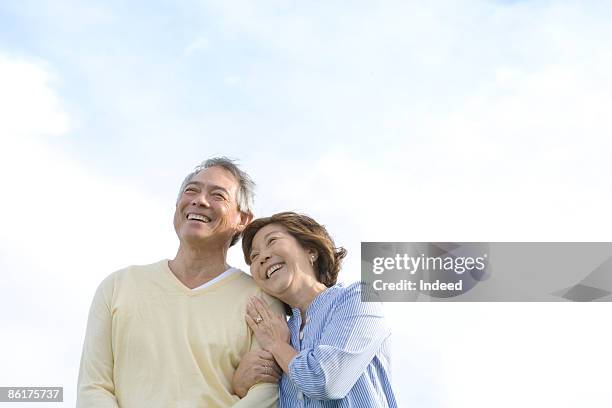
(153, 342)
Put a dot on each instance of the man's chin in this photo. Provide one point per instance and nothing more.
(202, 238)
(195, 238)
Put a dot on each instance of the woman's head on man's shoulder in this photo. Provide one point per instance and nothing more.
(287, 246)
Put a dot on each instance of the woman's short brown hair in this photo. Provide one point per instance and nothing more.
(310, 234)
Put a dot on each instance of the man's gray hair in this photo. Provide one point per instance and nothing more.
(246, 186)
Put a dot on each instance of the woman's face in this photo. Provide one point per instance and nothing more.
(278, 261)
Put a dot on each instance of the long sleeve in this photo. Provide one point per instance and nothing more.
(348, 343)
(152, 342)
(264, 395)
(96, 388)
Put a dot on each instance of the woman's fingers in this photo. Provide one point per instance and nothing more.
(261, 307)
(251, 322)
(253, 313)
(250, 309)
(253, 307)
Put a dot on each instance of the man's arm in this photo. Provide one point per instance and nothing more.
(264, 395)
(96, 388)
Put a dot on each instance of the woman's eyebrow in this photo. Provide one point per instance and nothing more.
(268, 234)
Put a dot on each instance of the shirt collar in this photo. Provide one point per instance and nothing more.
(316, 303)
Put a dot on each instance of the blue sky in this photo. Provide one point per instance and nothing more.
(387, 121)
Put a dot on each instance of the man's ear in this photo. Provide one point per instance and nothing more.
(245, 219)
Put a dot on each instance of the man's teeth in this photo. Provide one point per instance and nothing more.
(273, 269)
(198, 217)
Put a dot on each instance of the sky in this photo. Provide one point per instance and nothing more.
(386, 121)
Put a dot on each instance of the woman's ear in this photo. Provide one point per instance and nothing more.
(313, 255)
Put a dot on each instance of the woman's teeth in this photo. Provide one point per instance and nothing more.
(273, 269)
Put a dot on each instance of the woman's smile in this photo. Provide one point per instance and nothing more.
(272, 269)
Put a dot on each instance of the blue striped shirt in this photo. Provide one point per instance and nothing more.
(343, 357)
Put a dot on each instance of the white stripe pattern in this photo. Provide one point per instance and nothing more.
(343, 359)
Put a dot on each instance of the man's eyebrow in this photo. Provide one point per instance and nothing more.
(216, 187)
(210, 186)
(194, 182)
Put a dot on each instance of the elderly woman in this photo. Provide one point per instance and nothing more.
(334, 349)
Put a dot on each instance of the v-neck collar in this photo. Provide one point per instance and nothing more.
(191, 292)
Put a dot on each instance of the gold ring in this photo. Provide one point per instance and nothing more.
(258, 319)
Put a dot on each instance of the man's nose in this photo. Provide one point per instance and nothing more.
(200, 199)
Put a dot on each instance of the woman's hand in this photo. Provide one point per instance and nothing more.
(270, 329)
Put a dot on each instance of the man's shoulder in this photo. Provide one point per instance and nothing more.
(253, 290)
(246, 282)
(245, 278)
(142, 269)
(135, 273)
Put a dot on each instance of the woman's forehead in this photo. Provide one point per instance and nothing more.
(268, 230)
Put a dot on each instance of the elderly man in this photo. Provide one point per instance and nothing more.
(171, 334)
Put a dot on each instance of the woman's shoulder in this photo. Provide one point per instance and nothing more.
(349, 289)
(358, 297)
(356, 290)
(353, 308)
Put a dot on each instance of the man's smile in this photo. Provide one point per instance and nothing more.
(198, 217)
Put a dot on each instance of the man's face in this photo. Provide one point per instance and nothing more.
(207, 210)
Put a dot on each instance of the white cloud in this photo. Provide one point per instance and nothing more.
(28, 106)
(231, 80)
(63, 230)
(200, 43)
(519, 153)
(429, 122)
(502, 354)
